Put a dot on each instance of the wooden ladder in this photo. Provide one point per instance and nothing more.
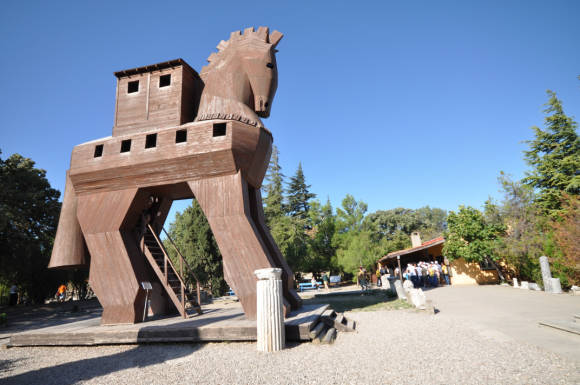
(169, 276)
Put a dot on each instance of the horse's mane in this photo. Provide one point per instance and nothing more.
(261, 37)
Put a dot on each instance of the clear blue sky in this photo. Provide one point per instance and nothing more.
(405, 103)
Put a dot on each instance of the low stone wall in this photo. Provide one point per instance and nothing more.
(470, 273)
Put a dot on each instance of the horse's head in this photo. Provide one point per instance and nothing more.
(244, 72)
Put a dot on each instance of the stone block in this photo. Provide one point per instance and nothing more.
(399, 289)
(516, 283)
(534, 286)
(417, 298)
(556, 286)
(525, 285)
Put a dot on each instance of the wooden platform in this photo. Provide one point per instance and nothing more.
(215, 324)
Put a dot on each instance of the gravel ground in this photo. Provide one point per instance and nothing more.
(389, 347)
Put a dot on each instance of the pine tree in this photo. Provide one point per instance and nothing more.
(193, 237)
(555, 157)
(299, 196)
(274, 201)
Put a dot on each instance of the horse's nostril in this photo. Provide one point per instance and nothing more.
(266, 105)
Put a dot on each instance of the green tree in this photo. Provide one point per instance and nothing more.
(193, 237)
(524, 239)
(357, 249)
(274, 201)
(350, 217)
(432, 222)
(470, 237)
(288, 233)
(321, 250)
(554, 155)
(354, 245)
(299, 196)
(567, 234)
(29, 211)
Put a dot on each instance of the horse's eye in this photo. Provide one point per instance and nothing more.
(270, 65)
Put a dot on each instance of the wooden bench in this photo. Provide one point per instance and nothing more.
(308, 286)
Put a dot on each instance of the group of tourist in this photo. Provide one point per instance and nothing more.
(425, 274)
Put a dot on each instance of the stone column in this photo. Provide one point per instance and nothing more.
(270, 316)
(546, 274)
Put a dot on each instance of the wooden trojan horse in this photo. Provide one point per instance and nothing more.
(177, 135)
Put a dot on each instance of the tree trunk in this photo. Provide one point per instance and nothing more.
(499, 273)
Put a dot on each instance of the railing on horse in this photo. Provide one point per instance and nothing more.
(167, 265)
(183, 261)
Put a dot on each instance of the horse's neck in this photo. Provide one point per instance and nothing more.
(219, 101)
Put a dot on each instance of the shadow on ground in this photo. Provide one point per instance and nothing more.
(84, 370)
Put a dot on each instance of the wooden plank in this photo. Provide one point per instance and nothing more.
(219, 325)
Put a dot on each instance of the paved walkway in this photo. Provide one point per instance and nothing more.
(512, 314)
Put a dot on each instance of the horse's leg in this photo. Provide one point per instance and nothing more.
(117, 266)
(69, 246)
(226, 204)
(257, 210)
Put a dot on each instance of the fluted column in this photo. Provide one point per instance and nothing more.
(270, 317)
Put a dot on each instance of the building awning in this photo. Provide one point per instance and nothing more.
(424, 246)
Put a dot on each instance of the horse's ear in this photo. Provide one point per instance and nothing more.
(275, 38)
(263, 33)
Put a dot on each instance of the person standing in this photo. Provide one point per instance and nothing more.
(419, 275)
(13, 295)
(378, 273)
(325, 281)
(60, 293)
(445, 271)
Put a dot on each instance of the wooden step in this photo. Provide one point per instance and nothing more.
(170, 278)
(351, 325)
(329, 337)
(318, 338)
(329, 313)
(316, 330)
(337, 321)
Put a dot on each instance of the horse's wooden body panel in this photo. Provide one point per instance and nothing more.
(243, 147)
(110, 181)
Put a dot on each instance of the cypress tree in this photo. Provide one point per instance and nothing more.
(274, 200)
(299, 195)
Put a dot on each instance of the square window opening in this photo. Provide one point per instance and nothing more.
(133, 87)
(219, 129)
(126, 145)
(180, 136)
(164, 80)
(151, 141)
(99, 150)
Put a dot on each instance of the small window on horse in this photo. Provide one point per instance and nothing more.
(126, 145)
(219, 129)
(133, 87)
(164, 80)
(99, 150)
(180, 136)
(270, 65)
(151, 141)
